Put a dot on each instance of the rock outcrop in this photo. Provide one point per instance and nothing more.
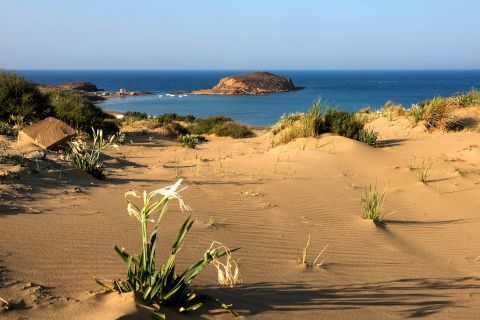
(256, 83)
(79, 86)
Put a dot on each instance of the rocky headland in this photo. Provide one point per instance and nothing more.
(256, 83)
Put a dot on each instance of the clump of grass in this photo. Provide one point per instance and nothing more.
(470, 99)
(368, 136)
(159, 285)
(366, 115)
(87, 158)
(422, 175)
(415, 115)
(460, 171)
(309, 263)
(437, 114)
(392, 111)
(373, 204)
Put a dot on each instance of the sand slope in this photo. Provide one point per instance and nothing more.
(422, 263)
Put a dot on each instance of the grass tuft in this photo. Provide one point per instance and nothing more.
(373, 204)
(311, 263)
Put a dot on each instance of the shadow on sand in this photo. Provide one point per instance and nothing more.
(410, 298)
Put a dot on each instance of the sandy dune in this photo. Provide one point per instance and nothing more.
(58, 227)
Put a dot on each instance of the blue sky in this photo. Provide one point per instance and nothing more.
(243, 34)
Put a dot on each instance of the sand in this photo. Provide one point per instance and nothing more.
(58, 227)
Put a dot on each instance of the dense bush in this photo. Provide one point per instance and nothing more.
(24, 101)
(232, 129)
(75, 110)
(19, 97)
(222, 127)
(177, 129)
(167, 118)
(136, 115)
(206, 125)
(109, 126)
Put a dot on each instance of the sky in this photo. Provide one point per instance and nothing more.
(242, 34)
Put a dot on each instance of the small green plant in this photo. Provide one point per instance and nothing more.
(422, 175)
(159, 285)
(87, 158)
(373, 204)
(308, 263)
(7, 130)
(460, 171)
(368, 136)
(190, 141)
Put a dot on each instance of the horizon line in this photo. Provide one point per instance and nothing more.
(246, 69)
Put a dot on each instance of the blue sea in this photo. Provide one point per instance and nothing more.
(349, 90)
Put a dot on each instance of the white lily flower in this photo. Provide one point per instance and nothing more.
(170, 192)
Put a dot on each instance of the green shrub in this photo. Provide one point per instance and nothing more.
(232, 129)
(159, 285)
(136, 114)
(177, 129)
(130, 117)
(109, 126)
(368, 136)
(344, 124)
(19, 97)
(206, 125)
(167, 118)
(76, 110)
(7, 130)
(191, 141)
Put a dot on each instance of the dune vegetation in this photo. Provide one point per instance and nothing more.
(321, 118)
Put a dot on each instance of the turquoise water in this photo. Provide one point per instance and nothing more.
(348, 90)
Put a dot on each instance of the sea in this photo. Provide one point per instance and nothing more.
(347, 90)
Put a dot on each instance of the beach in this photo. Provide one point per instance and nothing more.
(59, 226)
